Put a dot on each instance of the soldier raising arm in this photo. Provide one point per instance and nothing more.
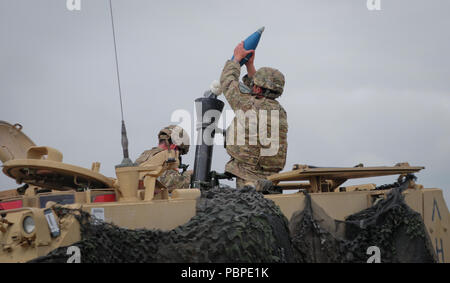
(249, 163)
(229, 80)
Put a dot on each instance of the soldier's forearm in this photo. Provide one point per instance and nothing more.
(230, 74)
(251, 70)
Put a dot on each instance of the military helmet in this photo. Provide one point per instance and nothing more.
(175, 135)
(271, 79)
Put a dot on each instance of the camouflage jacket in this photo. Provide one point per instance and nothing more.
(256, 153)
(172, 179)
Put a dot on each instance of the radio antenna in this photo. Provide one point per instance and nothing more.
(126, 161)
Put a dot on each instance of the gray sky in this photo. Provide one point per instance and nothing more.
(361, 86)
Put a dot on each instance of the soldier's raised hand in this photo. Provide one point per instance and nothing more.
(251, 70)
(240, 52)
(250, 60)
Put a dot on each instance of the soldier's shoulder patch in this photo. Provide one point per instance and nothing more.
(243, 88)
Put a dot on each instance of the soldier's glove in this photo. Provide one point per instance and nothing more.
(215, 87)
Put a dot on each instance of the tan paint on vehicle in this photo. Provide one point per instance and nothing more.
(154, 207)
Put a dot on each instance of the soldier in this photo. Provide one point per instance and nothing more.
(171, 179)
(259, 91)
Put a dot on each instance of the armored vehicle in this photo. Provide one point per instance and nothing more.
(35, 222)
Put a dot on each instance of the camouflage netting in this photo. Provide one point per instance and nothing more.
(230, 226)
(242, 226)
(391, 225)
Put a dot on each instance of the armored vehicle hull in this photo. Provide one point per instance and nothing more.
(53, 212)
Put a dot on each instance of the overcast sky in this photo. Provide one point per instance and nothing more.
(362, 86)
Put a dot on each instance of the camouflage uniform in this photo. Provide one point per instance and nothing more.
(171, 179)
(246, 163)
